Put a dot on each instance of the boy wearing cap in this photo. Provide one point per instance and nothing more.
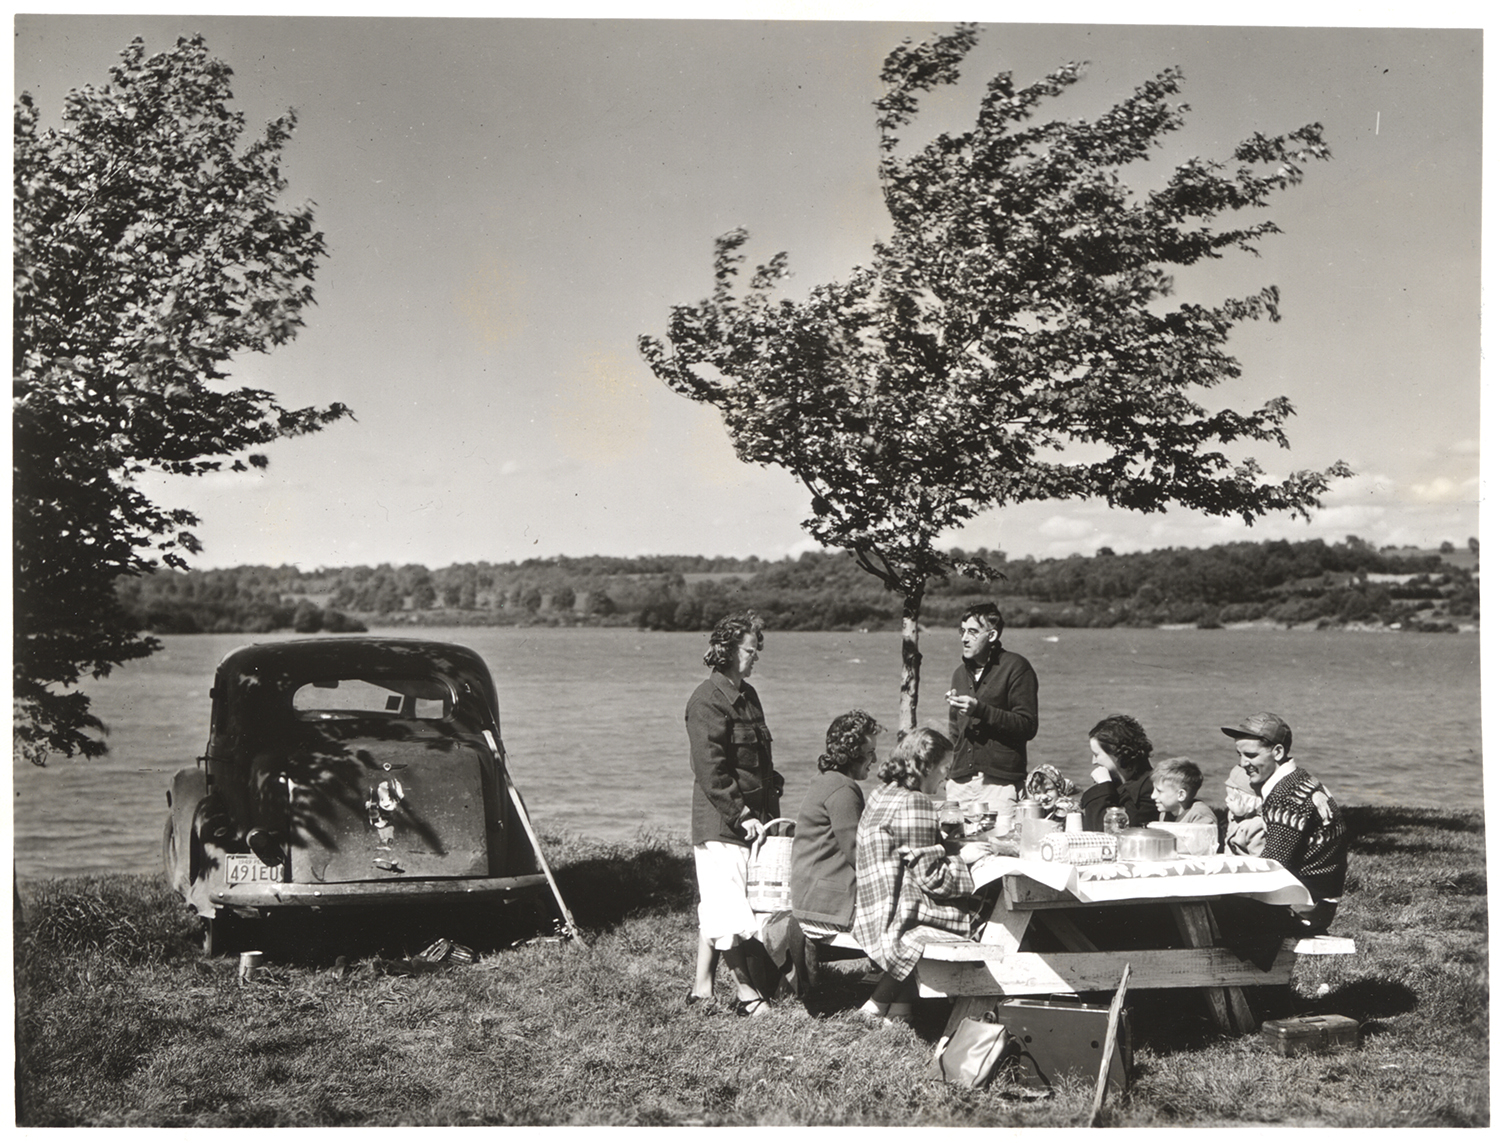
(1245, 831)
(1304, 826)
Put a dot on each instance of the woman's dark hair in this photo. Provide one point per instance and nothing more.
(916, 753)
(846, 741)
(1124, 740)
(727, 635)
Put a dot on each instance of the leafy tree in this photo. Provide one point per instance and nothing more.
(1016, 312)
(148, 251)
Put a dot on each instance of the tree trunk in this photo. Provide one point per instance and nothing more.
(911, 659)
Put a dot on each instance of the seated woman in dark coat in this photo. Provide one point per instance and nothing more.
(1121, 774)
(823, 846)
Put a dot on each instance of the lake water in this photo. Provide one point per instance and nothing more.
(592, 719)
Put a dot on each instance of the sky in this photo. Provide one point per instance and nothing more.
(509, 202)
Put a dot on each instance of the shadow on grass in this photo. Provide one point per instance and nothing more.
(1372, 828)
(605, 885)
(1368, 999)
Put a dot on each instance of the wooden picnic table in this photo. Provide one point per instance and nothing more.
(1053, 928)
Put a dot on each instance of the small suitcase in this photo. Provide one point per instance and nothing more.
(1056, 1037)
(1297, 1035)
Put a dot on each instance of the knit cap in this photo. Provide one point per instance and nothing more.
(1239, 780)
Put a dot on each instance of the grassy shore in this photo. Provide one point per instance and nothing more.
(120, 1021)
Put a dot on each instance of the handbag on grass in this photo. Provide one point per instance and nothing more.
(768, 877)
(971, 1054)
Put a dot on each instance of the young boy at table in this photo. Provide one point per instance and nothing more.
(1304, 826)
(1245, 831)
(1174, 789)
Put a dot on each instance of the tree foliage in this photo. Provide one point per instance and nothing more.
(1011, 341)
(148, 251)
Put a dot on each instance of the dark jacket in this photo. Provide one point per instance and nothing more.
(730, 751)
(1134, 797)
(823, 850)
(993, 739)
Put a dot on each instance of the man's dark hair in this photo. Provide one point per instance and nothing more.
(987, 612)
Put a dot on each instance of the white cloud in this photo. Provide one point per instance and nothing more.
(1361, 487)
(1443, 490)
(805, 545)
(1347, 519)
(1067, 527)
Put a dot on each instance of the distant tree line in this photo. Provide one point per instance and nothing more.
(1271, 581)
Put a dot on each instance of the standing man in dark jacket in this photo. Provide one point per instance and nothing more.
(991, 715)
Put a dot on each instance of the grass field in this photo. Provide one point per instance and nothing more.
(121, 1022)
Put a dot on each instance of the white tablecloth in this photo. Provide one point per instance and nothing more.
(1219, 875)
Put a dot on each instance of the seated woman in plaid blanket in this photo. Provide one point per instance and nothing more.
(905, 878)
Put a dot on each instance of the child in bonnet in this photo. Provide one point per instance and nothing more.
(1246, 831)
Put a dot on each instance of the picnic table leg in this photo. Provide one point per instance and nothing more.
(1004, 930)
(1231, 1012)
(1067, 932)
(964, 1008)
(1239, 1005)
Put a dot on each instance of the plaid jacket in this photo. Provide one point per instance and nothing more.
(904, 878)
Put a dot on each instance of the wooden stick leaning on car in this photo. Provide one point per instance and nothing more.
(492, 737)
(536, 845)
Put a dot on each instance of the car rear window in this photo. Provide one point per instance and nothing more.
(362, 698)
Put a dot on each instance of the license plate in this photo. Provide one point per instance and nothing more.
(246, 868)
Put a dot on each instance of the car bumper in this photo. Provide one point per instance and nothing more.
(279, 894)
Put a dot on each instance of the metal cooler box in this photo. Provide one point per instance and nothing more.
(1299, 1034)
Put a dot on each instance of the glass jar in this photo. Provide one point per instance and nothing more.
(1115, 819)
(951, 821)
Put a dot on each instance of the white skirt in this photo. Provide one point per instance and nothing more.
(724, 915)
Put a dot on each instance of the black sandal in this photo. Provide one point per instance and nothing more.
(752, 1007)
(693, 998)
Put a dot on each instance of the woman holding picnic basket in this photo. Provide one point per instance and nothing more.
(736, 791)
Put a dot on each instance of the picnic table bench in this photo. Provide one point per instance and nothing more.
(1042, 903)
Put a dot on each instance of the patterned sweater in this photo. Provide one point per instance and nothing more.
(1305, 833)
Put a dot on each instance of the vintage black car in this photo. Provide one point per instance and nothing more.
(348, 771)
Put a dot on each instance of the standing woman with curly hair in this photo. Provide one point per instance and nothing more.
(1122, 773)
(827, 824)
(905, 877)
(735, 792)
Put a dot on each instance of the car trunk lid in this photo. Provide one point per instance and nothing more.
(383, 810)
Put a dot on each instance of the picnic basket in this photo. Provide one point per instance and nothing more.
(768, 879)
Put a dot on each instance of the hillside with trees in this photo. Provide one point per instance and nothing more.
(1274, 582)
